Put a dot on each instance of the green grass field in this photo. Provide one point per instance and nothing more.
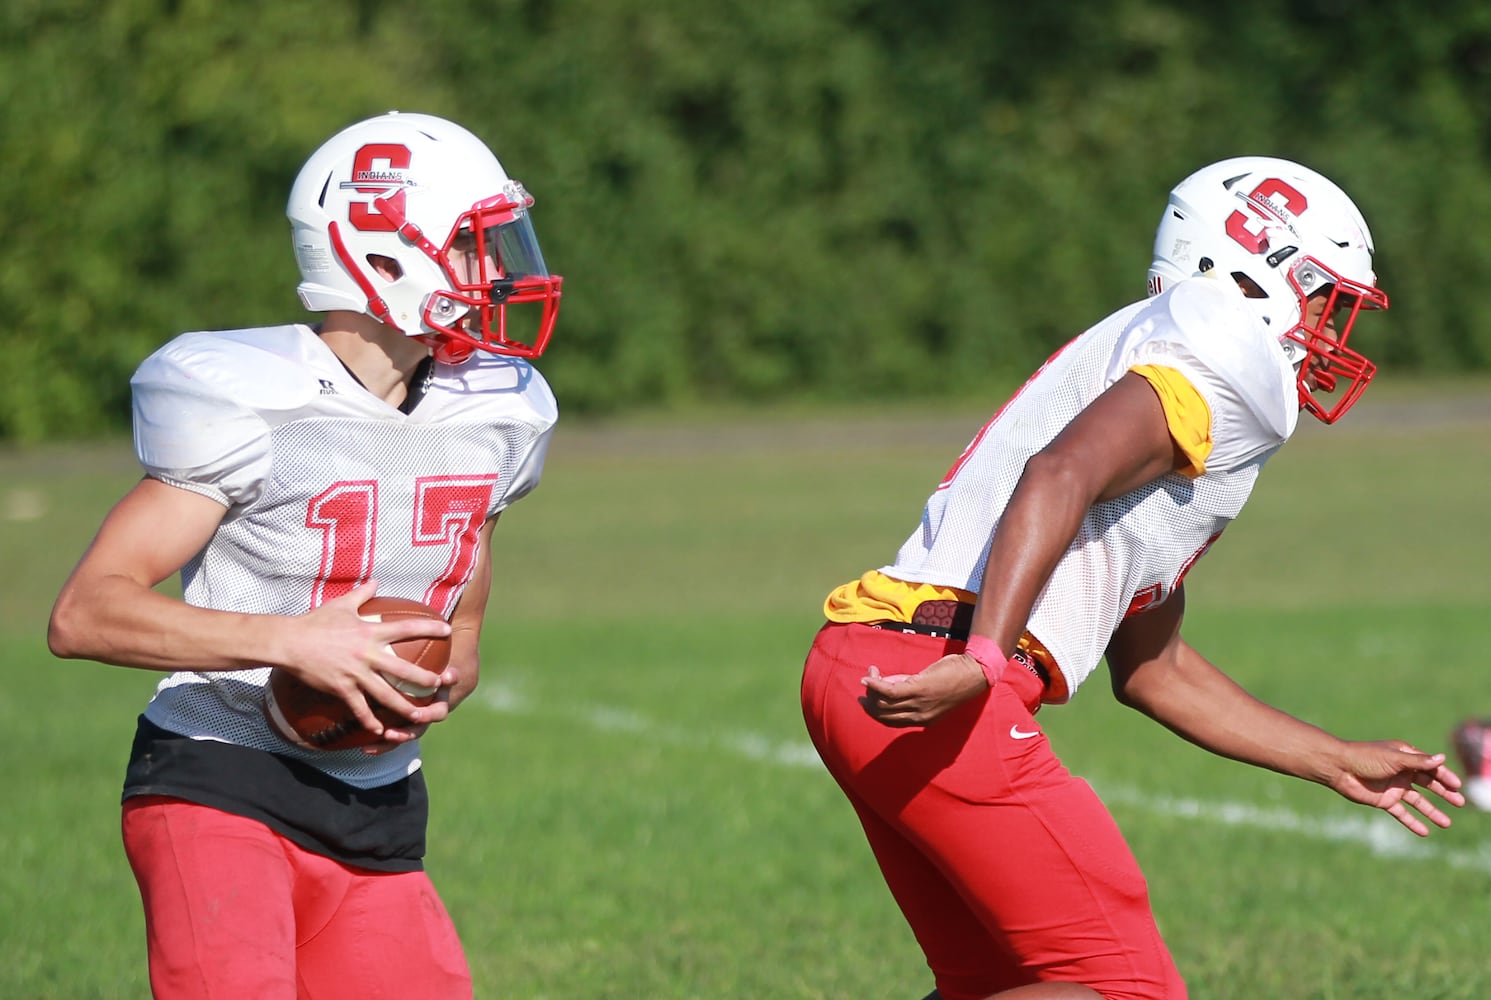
(629, 807)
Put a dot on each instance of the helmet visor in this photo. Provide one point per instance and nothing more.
(494, 262)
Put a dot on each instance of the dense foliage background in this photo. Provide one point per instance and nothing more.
(826, 198)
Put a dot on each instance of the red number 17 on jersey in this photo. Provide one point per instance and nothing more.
(448, 511)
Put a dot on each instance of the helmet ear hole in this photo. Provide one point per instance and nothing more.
(1250, 288)
(387, 268)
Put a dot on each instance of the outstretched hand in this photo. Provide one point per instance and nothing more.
(1383, 774)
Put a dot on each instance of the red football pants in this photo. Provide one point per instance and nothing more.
(1009, 870)
(234, 910)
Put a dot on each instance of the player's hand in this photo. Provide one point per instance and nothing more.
(1383, 774)
(904, 700)
(333, 649)
(438, 711)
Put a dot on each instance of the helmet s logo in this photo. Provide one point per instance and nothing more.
(1247, 231)
(379, 169)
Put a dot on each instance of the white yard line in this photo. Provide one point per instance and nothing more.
(1378, 834)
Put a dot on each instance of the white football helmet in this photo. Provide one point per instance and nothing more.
(1292, 234)
(428, 195)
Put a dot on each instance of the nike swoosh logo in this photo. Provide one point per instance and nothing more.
(1015, 733)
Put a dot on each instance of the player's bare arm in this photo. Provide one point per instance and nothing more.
(1117, 444)
(109, 611)
(466, 620)
(1155, 671)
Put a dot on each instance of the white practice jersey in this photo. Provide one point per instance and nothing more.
(1131, 552)
(325, 486)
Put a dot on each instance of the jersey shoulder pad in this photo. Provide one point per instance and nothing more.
(200, 403)
(264, 368)
(1203, 328)
(511, 385)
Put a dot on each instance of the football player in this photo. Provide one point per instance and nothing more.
(1062, 535)
(292, 472)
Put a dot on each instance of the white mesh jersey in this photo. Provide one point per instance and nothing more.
(1130, 552)
(325, 486)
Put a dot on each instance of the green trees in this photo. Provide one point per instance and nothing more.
(747, 200)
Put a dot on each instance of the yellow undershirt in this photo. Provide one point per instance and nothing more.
(1186, 413)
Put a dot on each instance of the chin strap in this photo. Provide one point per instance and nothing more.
(447, 351)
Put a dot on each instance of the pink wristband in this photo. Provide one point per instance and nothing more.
(988, 655)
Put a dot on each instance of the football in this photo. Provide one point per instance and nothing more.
(315, 720)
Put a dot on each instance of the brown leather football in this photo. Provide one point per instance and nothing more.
(316, 720)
